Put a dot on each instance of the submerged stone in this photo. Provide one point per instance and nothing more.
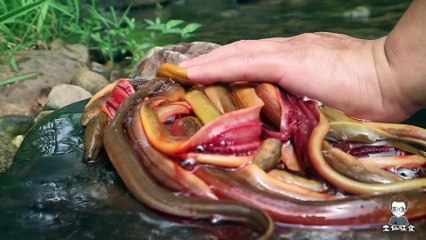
(7, 152)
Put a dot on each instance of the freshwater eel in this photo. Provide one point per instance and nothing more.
(146, 190)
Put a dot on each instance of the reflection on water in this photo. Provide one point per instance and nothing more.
(56, 136)
(225, 20)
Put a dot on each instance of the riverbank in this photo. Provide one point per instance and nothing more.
(61, 75)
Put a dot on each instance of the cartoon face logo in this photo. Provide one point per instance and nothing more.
(398, 207)
(398, 222)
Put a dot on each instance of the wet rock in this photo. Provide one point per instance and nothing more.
(7, 151)
(14, 125)
(89, 80)
(42, 114)
(360, 12)
(118, 69)
(17, 140)
(65, 94)
(172, 54)
(22, 97)
(78, 52)
(100, 68)
(231, 13)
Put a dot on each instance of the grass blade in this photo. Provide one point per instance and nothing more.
(62, 8)
(12, 62)
(18, 78)
(8, 16)
(41, 17)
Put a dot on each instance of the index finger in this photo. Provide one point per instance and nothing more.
(267, 45)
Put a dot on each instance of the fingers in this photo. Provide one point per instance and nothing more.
(248, 67)
(268, 45)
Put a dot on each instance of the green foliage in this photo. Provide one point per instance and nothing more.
(25, 23)
(108, 33)
(171, 27)
(156, 28)
(35, 23)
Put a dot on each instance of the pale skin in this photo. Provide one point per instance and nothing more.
(381, 80)
(398, 209)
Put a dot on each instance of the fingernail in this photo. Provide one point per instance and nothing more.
(189, 72)
(193, 73)
(185, 63)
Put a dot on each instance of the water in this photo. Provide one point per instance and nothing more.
(225, 21)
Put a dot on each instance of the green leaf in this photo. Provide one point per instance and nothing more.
(131, 23)
(191, 28)
(6, 30)
(41, 17)
(174, 31)
(97, 16)
(15, 13)
(156, 27)
(124, 16)
(157, 20)
(96, 36)
(158, 7)
(173, 23)
(3, 6)
(113, 14)
(77, 11)
(150, 22)
(62, 8)
(12, 62)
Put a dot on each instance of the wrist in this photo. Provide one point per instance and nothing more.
(406, 56)
(400, 82)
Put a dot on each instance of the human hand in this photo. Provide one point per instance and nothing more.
(349, 74)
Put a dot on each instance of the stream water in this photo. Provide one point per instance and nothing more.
(226, 20)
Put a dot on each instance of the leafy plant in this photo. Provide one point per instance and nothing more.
(172, 27)
(35, 23)
(108, 33)
(28, 23)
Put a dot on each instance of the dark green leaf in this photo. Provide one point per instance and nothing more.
(63, 9)
(41, 17)
(13, 14)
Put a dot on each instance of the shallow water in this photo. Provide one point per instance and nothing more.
(226, 21)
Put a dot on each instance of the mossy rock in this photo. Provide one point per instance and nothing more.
(14, 125)
(7, 152)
